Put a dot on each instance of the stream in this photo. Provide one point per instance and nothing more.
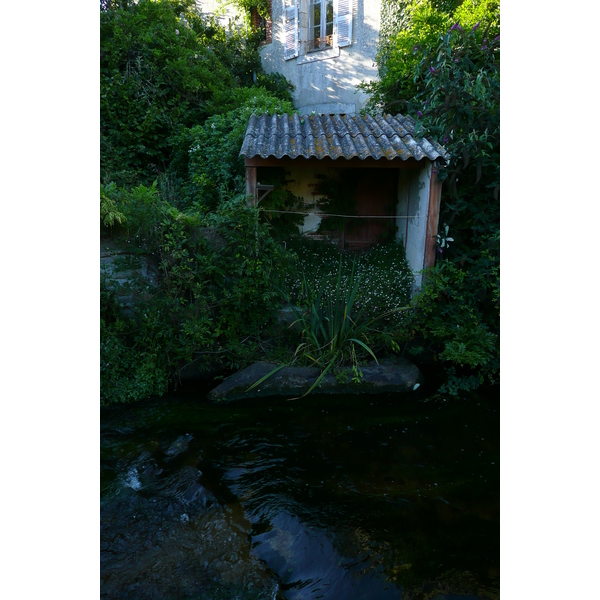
(332, 497)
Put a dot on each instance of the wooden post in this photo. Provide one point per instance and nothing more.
(251, 185)
(433, 217)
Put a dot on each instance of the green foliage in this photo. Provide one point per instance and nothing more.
(261, 6)
(385, 276)
(483, 13)
(216, 168)
(334, 332)
(172, 81)
(143, 207)
(453, 88)
(109, 304)
(458, 316)
(396, 17)
(246, 272)
(451, 84)
(130, 368)
(458, 99)
(163, 68)
(277, 84)
(128, 371)
(350, 306)
(218, 287)
(411, 34)
(109, 213)
(331, 331)
(402, 52)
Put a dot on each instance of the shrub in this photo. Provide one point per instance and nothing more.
(457, 316)
(109, 212)
(216, 169)
(165, 70)
(402, 53)
(164, 67)
(128, 371)
(451, 85)
(218, 287)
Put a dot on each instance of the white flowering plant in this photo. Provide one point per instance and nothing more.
(386, 279)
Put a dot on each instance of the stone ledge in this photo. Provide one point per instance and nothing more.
(399, 377)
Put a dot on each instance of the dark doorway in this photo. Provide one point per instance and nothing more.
(376, 191)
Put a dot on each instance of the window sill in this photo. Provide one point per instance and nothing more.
(319, 55)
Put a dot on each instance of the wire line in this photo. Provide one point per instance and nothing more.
(325, 215)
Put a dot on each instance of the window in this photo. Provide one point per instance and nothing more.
(310, 25)
(320, 24)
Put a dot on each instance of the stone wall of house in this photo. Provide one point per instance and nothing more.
(326, 80)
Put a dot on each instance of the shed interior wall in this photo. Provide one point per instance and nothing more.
(372, 193)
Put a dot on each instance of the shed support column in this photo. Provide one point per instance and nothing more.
(251, 185)
(433, 217)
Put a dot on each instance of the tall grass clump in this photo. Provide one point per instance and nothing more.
(336, 330)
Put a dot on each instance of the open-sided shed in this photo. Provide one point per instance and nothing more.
(388, 175)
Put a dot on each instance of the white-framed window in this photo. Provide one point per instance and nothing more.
(310, 25)
(320, 24)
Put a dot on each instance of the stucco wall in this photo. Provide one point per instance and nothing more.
(325, 81)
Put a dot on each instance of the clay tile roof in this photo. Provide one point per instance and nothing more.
(337, 136)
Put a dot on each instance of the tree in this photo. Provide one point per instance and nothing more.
(163, 68)
(444, 70)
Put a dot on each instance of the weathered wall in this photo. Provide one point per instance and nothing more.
(326, 80)
(122, 266)
(303, 182)
(411, 211)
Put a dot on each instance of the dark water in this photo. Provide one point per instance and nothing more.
(326, 497)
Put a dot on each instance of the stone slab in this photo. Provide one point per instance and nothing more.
(400, 376)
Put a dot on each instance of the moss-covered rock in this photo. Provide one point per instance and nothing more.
(399, 377)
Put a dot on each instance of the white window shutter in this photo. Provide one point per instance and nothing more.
(290, 29)
(342, 22)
